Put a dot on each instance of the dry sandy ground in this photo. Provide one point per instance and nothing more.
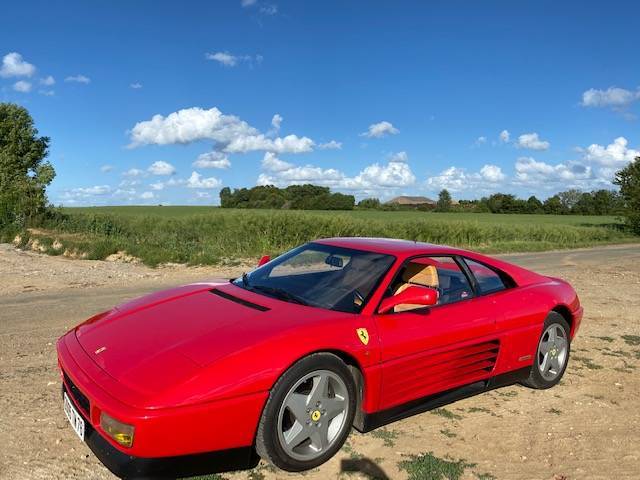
(587, 427)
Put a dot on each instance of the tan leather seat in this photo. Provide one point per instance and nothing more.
(416, 274)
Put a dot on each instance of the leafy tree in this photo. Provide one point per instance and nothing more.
(24, 173)
(534, 205)
(569, 199)
(369, 203)
(553, 205)
(444, 201)
(585, 205)
(628, 179)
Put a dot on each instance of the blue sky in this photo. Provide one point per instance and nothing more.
(159, 102)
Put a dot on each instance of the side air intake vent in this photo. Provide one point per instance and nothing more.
(435, 372)
(241, 301)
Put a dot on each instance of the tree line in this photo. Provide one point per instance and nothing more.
(294, 197)
(569, 202)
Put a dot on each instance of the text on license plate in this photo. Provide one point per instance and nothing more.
(76, 421)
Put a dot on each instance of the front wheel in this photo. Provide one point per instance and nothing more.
(308, 415)
(552, 354)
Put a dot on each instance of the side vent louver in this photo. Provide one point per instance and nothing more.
(453, 367)
(240, 301)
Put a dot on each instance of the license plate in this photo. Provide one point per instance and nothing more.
(76, 421)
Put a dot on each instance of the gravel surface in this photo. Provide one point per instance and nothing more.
(586, 427)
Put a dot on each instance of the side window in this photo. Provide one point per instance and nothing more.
(489, 281)
(440, 273)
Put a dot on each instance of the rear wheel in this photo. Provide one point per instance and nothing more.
(552, 353)
(308, 415)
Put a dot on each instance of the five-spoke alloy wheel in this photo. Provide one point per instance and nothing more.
(552, 353)
(309, 413)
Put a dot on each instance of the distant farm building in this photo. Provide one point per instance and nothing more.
(412, 202)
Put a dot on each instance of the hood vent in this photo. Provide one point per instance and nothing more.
(241, 301)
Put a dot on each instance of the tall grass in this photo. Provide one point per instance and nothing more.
(216, 238)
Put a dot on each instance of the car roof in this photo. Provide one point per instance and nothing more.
(403, 249)
(386, 245)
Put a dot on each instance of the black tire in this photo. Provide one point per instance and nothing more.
(268, 445)
(536, 379)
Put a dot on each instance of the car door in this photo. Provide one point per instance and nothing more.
(429, 350)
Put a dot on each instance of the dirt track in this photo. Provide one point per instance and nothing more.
(587, 427)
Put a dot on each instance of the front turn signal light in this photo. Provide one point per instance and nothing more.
(120, 432)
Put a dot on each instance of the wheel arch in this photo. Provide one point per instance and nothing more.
(566, 314)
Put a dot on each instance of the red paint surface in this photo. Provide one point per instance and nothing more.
(192, 370)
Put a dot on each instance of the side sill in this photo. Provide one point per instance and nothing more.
(365, 422)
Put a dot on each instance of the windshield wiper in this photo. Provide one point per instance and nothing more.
(279, 293)
(245, 280)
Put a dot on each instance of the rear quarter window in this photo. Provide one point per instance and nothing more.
(488, 280)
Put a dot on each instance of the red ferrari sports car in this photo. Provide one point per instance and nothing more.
(281, 362)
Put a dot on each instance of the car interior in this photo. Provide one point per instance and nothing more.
(439, 273)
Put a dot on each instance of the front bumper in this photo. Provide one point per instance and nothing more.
(131, 467)
(168, 442)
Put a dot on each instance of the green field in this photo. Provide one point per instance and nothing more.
(403, 215)
(209, 235)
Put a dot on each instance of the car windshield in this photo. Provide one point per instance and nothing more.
(324, 276)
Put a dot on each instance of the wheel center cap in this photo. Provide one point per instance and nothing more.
(315, 415)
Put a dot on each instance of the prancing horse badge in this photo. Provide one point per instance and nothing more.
(363, 335)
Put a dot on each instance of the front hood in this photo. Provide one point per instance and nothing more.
(164, 339)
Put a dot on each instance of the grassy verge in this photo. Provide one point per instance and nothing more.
(207, 235)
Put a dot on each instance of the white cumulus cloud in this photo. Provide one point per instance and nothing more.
(22, 86)
(505, 136)
(617, 154)
(458, 179)
(198, 181)
(78, 79)
(375, 179)
(531, 172)
(272, 163)
(380, 129)
(161, 168)
(532, 141)
(331, 145)
(213, 159)
(135, 85)
(48, 81)
(276, 122)
(133, 172)
(492, 173)
(13, 65)
(231, 134)
(106, 168)
(230, 60)
(399, 157)
(613, 97)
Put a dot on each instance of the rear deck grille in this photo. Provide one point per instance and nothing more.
(81, 400)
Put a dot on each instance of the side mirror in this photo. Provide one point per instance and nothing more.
(264, 259)
(413, 295)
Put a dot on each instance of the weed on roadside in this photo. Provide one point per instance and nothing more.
(484, 476)
(603, 338)
(348, 449)
(587, 362)
(479, 409)
(633, 340)
(448, 414)
(448, 433)
(388, 436)
(428, 466)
